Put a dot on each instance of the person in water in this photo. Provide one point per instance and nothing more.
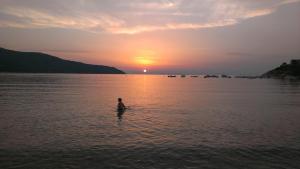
(121, 105)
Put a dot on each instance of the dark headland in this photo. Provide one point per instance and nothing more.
(291, 70)
(33, 62)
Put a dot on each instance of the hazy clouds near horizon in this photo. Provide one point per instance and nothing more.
(190, 36)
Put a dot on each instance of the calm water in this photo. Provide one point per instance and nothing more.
(52, 121)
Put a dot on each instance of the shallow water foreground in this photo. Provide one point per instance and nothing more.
(70, 121)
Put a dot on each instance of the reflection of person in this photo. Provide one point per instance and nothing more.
(121, 106)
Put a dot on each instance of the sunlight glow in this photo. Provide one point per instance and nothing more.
(145, 57)
(144, 61)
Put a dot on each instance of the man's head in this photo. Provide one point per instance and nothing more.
(119, 99)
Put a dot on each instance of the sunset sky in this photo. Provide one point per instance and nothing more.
(163, 36)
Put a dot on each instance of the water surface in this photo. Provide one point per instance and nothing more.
(70, 121)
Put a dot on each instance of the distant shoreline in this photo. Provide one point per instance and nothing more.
(33, 62)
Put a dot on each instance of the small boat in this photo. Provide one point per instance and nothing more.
(225, 76)
(211, 76)
(194, 76)
(171, 75)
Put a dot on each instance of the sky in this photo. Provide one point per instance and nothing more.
(247, 37)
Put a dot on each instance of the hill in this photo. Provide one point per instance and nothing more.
(33, 62)
(291, 70)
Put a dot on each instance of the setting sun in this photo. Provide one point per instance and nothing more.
(146, 83)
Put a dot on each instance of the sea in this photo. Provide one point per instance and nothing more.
(69, 121)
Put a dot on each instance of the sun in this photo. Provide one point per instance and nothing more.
(145, 70)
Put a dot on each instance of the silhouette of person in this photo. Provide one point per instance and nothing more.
(120, 108)
(121, 105)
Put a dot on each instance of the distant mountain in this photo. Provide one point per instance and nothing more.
(291, 70)
(32, 62)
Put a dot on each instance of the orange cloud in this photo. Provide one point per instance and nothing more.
(170, 15)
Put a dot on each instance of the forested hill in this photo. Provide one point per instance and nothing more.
(33, 62)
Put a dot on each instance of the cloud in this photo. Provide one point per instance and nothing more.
(257, 13)
(171, 26)
(30, 18)
(162, 5)
(132, 16)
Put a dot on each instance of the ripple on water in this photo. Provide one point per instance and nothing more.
(70, 121)
(153, 157)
